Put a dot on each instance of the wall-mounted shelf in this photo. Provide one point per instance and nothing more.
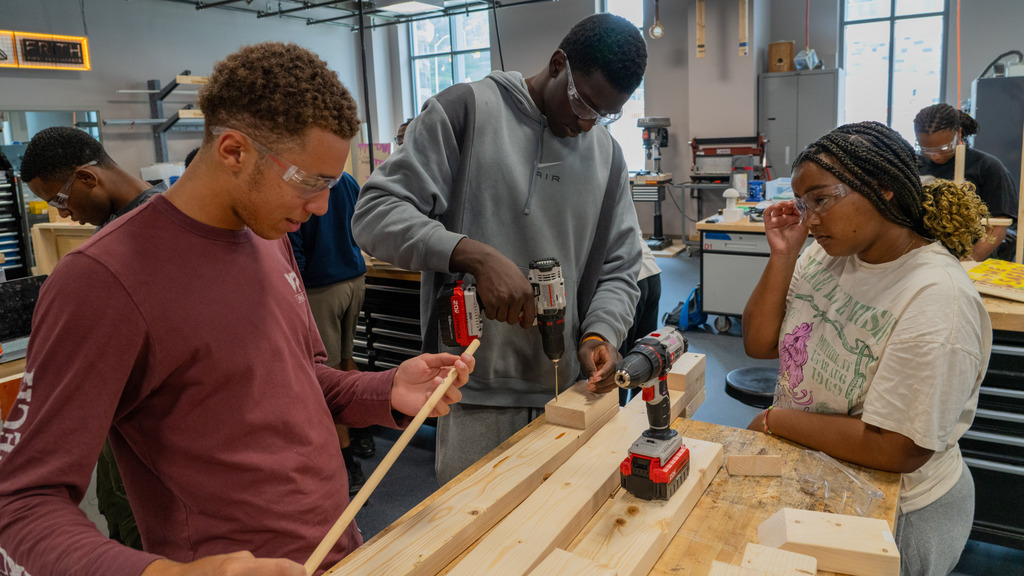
(187, 118)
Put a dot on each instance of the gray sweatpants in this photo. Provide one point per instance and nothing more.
(469, 432)
(931, 539)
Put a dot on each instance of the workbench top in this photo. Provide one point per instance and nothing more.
(727, 515)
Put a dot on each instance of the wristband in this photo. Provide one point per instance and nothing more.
(768, 430)
(593, 337)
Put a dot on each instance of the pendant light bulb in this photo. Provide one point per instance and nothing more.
(656, 30)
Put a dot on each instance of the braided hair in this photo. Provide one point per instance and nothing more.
(872, 159)
(939, 117)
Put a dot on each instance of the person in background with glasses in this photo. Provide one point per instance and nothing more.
(502, 171)
(182, 331)
(74, 174)
(71, 171)
(881, 337)
(939, 128)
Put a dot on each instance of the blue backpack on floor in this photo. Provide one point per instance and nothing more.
(687, 315)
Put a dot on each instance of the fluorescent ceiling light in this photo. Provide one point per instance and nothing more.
(409, 7)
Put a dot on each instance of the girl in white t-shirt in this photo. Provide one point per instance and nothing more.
(882, 339)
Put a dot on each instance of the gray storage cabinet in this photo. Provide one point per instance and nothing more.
(795, 109)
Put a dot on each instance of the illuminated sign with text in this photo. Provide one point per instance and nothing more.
(45, 51)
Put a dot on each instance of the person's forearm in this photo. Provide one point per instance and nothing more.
(762, 316)
(847, 438)
(984, 247)
(470, 256)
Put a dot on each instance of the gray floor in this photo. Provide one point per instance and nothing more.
(412, 477)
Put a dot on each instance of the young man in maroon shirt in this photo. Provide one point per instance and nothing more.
(182, 332)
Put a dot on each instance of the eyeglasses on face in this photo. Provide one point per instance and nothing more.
(307, 184)
(819, 201)
(60, 201)
(580, 106)
(947, 148)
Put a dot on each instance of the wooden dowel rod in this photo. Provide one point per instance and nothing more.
(958, 168)
(364, 493)
(1020, 208)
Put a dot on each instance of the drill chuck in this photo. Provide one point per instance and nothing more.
(651, 356)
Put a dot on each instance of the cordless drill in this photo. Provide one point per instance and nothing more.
(658, 462)
(461, 321)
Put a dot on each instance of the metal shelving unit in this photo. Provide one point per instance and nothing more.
(14, 244)
(188, 118)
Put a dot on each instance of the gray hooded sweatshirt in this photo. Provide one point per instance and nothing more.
(479, 161)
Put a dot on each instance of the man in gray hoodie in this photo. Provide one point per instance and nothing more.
(494, 174)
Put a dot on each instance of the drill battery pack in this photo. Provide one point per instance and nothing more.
(645, 477)
(458, 314)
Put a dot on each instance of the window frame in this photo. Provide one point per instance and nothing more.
(451, 53)
(892, 19)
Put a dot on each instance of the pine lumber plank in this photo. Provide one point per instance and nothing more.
(777, 562)
(438, 532)
(578, 407)
(556, 511)
(687, 372)
(630, 534)
(754, 464)
(841, 543)
(694, 404)
(562, 563)
(723, 569)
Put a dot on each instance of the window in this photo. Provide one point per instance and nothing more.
(893, 56)
(447, 50)
(625, 130)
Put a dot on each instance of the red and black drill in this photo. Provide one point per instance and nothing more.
(658, 462)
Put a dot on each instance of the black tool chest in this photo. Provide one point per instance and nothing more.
(388, 331)
(993, 448)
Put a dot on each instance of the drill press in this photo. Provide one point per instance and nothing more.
(649, 184)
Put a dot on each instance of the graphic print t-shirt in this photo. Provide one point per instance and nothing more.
(903, 344)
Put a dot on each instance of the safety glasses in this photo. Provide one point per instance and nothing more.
(60, 201)
(945, 149)
(820, 201)
(580, 106)
(307, 185)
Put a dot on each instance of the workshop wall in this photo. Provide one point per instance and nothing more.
(988, 28)
(132, 42)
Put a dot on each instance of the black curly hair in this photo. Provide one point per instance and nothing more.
(939, 117)
(608, 44)
(54, 153)
(275, 92)
(872, 158)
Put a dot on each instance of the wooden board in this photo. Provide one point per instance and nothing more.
(190, 113)
(694, 404)
(687, 372)
(841, 543)
(754, 465)
(556, 511)
(51, 241)
(435, 534)
(630, 534)
(778, 562)
(562, 563)
(723, 569)
(189, 79)
(579, 408)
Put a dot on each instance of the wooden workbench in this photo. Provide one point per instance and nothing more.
(730, 510)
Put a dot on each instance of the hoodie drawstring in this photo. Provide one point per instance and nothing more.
(536, 164)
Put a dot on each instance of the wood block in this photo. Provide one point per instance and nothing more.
(754, 464)
(630, 534)
(556, 511)
(695, 403)
(443, 529)
(687, 371)
(190, 113)
(723, 569)
(189, 79)
(778, 562)
(579, 408)
(841, 543)
(562, 563)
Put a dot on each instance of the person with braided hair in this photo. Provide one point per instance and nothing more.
(939, 128)
(884, 340)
